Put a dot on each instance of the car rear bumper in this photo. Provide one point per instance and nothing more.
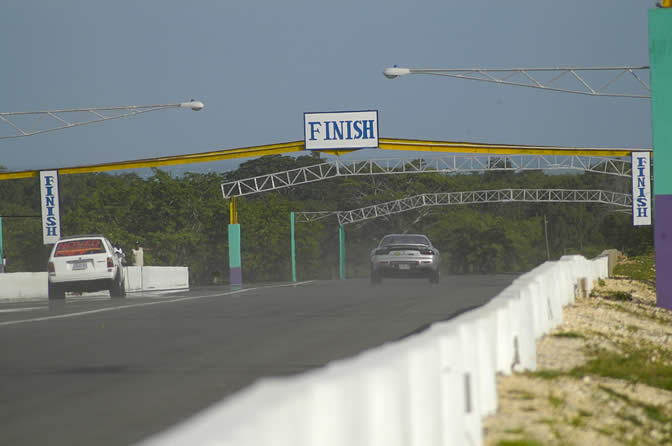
(83, 285)
(404, 269)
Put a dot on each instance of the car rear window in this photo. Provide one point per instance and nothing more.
(405, 239)
(79, 247)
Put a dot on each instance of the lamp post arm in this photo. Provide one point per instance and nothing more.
(529, 77)
(94, 114)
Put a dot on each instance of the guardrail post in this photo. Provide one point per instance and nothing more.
(291, 225)
(341, 251)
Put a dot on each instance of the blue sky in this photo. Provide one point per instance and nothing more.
(258, 66)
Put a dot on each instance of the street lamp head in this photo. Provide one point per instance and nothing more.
(194, 105)
(392, 72)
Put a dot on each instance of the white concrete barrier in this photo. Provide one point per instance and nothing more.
(432, 388)
(146, 278)
(156, 278)
(23, 285)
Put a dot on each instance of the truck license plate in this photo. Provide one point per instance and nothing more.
(404, 266)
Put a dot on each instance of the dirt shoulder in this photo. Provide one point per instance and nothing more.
(604, 376)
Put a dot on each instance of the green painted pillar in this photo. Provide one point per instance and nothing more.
(660, 62)
(341, 252)
(235, 265)
(291, 224)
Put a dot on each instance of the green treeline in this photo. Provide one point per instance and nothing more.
(182, 220)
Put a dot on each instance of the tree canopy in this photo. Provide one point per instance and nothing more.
(183, 220)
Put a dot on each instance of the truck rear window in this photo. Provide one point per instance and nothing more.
(79, 247)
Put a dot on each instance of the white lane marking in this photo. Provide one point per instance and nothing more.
(16, 310)
(147, 304)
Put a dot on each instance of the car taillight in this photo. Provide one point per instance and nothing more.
(110, 262)
(426, 252)
(50, 267)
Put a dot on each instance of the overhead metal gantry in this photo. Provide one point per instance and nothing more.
(413, 145)
(446, 165)
(471, 197)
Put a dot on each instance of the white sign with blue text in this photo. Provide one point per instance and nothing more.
(51, 213)
(341, 130)
(641, 188)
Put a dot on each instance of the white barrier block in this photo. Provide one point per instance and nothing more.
(461, 419)
(548, 278)
(23, 285)
(281, 419)
(164, 278)
(530, 294)
(386, 398)
(485, 321)
(337, 396)
(522, 324)
(504, 338)
(423, 362)
(230, 422)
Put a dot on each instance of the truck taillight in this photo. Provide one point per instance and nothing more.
(110, 262)
(50, 267)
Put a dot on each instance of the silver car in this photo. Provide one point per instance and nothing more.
(405, 255)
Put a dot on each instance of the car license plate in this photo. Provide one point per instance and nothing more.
(77, 266)
(404, 266)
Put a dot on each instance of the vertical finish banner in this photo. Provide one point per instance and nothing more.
(50, 204)
(641, 188)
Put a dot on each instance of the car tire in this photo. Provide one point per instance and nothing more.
(55, 292)
(117, 288)
(434, 277)
(375, 278)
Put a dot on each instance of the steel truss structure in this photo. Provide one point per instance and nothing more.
(471, 197)
(63, 119)
(530, 77)
(447, 165)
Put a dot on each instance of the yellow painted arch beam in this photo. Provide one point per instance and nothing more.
(298, 146)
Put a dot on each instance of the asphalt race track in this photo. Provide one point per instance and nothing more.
(92, 370)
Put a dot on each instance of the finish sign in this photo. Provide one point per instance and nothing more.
(341, 130)
(50, 204)
(641, 188)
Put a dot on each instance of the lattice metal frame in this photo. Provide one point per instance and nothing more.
(529, 77)
(471, 197)
(62, 119)
(446, 165)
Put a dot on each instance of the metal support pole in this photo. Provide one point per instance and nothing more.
(291, 224)
(660, 61)
(233, 211)
(2, 256)
(235, 264)
(341, 251)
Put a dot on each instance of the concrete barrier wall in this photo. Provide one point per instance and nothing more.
(146, 278)
(432, 388)
(156, 278)
(23, 285)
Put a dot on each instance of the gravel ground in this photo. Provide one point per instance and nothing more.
(560, 404)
